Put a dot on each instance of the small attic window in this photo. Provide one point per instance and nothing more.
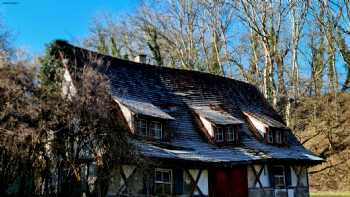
(219, 135)
(276, 136)
(270, 137)
(230, 133)
(149, 128)
(267, 128)
(226, 134)
(218, 125)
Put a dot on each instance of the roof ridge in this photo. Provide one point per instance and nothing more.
(63, 43)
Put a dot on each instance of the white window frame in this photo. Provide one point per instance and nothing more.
(270, 137)
(280, 177)
(156, 130)
(162, 182)
(219, 130)
(230, 134)
(279, 139)
(140, 128)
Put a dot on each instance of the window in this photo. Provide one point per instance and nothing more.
(92, 168)
(219, 134)
(142, 127)
(230, 132)
(225, 134)
(279, 137)
(278, 176)
(156, 130)
(163, 181)
(149, 128)
(270, 137)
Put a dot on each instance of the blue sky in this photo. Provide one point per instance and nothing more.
(37, 22)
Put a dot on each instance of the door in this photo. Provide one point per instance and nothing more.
(228, 182)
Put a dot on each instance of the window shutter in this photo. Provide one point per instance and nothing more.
(178, 181)
(287, 174)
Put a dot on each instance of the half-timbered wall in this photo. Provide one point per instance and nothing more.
(259, 184)
(130, 180)
(202, 183)
(260, 171)
(126, 180)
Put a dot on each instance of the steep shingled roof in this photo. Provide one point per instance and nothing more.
(182, 90)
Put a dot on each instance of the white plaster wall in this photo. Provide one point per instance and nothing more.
(202, 182)
(303, 176)
(264, 177)
(128, 114)
(207, 125)
(68, 88)
(290, 192)
(261, 127)
(128, 170)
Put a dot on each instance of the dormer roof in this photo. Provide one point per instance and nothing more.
(218, 117)
(144, 108)
(267, 120)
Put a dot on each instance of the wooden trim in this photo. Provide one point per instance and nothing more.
(195, 182)
(120, 116)
(125, 179)
(257, 175)
(202, 128)
(252, 128)
(298, 170)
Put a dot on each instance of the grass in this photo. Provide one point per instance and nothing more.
(330, 194)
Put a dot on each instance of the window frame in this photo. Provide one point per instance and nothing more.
(270, 137)
(279, 177)
(230, 130)
(279, 137)
(146, 128)
(162, 182)
(138, 126)
(155, 129)
(221, 131)
(276, 136)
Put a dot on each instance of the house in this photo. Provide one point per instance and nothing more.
(206, 135)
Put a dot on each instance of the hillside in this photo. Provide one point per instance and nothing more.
(323, 125)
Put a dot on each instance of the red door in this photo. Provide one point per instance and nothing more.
(228, 182)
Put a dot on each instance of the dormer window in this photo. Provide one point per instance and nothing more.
(230, 133)
(267, 128)
(145, 119)
(270, 137)
(149, 128)
(142, 126)
(226, 134)
(276, 136)
(279, 139)
(155, 129)
(219, 135)
(218, 125)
